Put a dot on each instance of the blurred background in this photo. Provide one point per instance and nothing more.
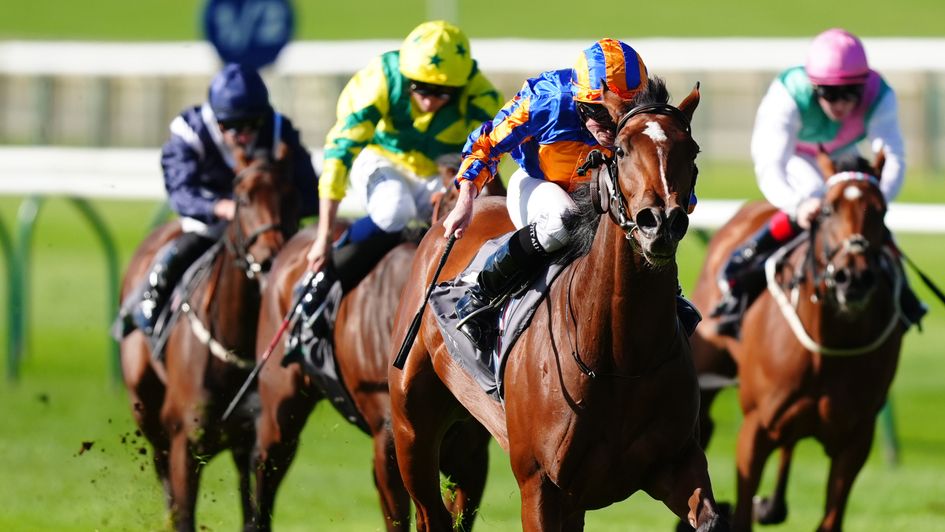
(87, 89)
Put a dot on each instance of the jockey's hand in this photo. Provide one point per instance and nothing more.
(224, 209)
(807, 212)
(460, 217)
(318, 254)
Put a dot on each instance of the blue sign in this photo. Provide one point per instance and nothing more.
(250, 32)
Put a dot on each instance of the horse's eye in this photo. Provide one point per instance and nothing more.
(619, 151)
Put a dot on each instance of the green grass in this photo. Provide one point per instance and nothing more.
(161, 20)
(65, 398)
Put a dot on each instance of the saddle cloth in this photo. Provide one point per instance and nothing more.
(310, 342)
(514, 317)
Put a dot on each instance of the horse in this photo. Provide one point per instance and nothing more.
(362, 340)
(178, 403)
(818, 350)
(601, 398)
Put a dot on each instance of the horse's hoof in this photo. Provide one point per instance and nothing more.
(766, 512)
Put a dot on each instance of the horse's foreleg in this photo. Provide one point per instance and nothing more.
(395, 501)
(464, 459)
(684, 487)
(754, 447)
(185, 474)
(242, 456)
(543, 505)
(773, 510)
(846, 462)
(419, 412)
(285, 408)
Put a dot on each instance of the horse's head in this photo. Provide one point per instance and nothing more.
(654, 158)
(851, 230)
(266, 210)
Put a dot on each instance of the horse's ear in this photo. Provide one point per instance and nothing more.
(689, 104)
(827, 167)
(613, 103)
(880, 162)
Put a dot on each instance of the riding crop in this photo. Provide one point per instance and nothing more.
(415, 324)
(295, 310)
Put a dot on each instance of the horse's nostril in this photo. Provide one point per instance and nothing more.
(678, 223)
(266, 265)
(841, 277)
(648, 221)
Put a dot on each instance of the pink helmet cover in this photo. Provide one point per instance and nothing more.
(837, 57)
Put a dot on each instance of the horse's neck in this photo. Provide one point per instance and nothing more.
(635, 301)
(233, 299)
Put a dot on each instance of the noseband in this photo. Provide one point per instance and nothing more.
(606, 193)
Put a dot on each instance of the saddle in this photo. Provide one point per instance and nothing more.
(514, 316)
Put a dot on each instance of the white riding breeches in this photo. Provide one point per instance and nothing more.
(392, 197)
(539, 202)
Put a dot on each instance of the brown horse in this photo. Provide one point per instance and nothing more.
(178, 403)
(362, 344)
(817, 351)
(601, 398)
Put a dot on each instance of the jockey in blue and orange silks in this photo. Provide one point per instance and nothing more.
(834, 100)
(548, 128)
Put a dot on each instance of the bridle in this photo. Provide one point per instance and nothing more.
(239, 246)
(606, 194)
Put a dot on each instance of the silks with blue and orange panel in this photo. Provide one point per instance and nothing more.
(540, 128)
(375, 112)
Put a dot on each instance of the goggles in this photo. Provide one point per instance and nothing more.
(430, 90)
(833, 93)
(238, 125)
(595, 112)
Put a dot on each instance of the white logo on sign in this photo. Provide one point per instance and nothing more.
(262, 19)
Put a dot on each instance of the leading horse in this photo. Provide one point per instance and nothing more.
(601, 398)
(178, 403)
(817, 351)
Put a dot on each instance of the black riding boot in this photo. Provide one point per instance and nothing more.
(743, 278)
(165, 272)
(514, 264)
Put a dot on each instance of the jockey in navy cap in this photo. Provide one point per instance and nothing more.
(198, 165)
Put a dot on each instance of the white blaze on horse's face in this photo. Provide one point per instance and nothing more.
(658, 136)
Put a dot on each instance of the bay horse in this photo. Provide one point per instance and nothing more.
(362, 340)
(178, 403)
(818, 350)
(601, 398)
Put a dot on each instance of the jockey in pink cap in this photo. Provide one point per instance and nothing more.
(835, 100)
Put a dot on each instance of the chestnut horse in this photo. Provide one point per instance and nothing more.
(362, 344)
(601, 397)
(817, 351)
(178, 403)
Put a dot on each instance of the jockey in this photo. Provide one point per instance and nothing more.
(549, 128)
(198, 174)
(834, 100)
(397, 117)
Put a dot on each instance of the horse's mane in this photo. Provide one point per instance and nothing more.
(581, 223)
